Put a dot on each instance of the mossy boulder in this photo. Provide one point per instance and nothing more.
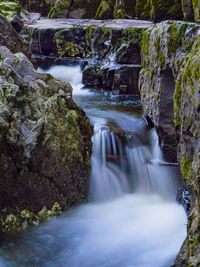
(45, 141)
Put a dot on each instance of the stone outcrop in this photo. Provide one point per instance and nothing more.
(169, 85)
(45, 143)
(10, 38)
(112, 49)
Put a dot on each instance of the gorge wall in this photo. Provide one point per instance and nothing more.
(170, 90)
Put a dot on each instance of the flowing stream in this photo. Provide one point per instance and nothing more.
(132, 217)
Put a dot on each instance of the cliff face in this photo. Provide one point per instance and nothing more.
(169, 85)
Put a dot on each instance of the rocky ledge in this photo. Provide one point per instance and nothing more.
(110, 49)
(45, 144)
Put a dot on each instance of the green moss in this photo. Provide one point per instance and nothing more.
(143, 9)
(186, 166)
(12, 223)
(10, 9)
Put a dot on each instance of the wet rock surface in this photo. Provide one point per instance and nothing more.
(45, 141)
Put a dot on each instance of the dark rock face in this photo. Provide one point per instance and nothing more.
(169, 85)
(17, 24)
(45, 141)
(10, 38)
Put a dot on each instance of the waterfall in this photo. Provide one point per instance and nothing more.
(120, 166)
(132, 218)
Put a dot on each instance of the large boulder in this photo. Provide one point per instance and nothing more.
(10, 38)
(45, 141)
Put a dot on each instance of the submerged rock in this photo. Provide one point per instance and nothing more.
(45, 140)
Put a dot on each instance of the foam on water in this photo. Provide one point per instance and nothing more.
(72, 74)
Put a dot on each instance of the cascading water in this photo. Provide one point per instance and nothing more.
(132, 218)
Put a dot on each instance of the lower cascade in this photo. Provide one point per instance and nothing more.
(132, 217)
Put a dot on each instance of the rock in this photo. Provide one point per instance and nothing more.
(113, 52)
(17, 24)
(42, 6)
(169, 85)
(159, 10)
(187, 8)
(76, 9)
(167, 45)
(126, 79)
(196, 8)
(10, 38)
(45, 141)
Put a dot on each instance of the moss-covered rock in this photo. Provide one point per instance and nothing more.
(45, 142)
(169, 85)
(164, 48)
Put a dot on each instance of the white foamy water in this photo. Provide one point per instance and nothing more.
(72, 75)
(132, 219)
